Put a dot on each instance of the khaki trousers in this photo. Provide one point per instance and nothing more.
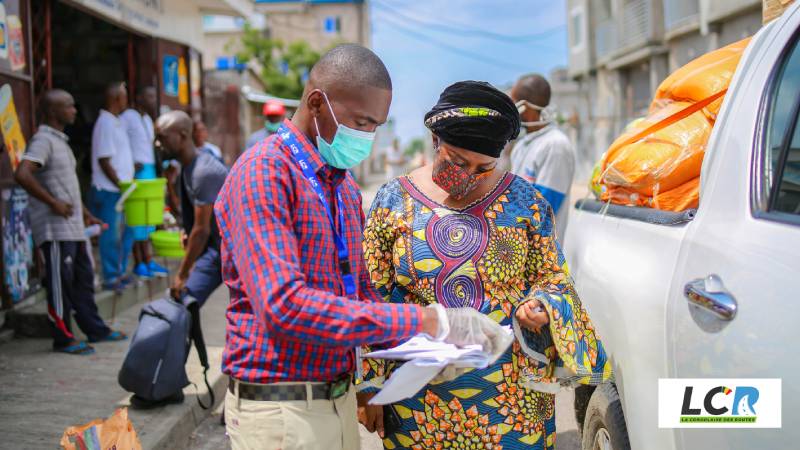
(295, 425)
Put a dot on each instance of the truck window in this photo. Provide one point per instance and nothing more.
(782, 142)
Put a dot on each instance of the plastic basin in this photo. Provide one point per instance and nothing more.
(167, 244)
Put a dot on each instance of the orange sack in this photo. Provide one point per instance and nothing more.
(656, 161)
(662, 160)
(703, 77)
(683, 197)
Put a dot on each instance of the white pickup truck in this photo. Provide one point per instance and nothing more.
(711, 293)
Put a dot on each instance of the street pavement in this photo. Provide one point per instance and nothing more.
(43, 392)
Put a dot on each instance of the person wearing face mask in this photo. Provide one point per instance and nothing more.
(290, 220)
(544, 156)
(274, 112)
(461, 233)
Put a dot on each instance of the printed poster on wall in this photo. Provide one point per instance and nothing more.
(194, 80)
(16, 43)
(3, 32)
(17, 240)
(183, 82)
(9, 126)
(171, 77)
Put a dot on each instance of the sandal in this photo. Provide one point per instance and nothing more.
(114, 336)
(79, 348)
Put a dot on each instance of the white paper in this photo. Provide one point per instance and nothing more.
(426, 358)
(405, 382)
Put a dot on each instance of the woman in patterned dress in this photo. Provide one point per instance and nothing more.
(460, 233)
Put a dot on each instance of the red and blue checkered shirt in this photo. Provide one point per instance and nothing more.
(288, 319)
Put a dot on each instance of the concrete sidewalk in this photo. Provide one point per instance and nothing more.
(43, 392)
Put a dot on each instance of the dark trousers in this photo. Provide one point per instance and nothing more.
(70, 288)
(205, 277)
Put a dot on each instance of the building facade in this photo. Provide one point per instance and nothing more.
(321, 23)
(621, 50)
(81, 46)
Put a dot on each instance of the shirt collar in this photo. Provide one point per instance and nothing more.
(533, 135)
(315, 159)
(54, 132)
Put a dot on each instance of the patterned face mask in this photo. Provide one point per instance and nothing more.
(455, 180)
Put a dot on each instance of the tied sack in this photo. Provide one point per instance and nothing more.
(656, 162)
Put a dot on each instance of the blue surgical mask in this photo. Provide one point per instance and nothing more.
(348, 148)
(272, 127)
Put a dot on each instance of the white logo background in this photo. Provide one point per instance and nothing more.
(671, 392)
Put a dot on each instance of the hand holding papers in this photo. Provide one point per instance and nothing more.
(426, 358)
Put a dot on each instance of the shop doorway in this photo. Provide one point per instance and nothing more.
(85, 54)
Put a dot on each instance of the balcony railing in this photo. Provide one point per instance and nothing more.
(605, 42)
(678, 13)
(635, 26)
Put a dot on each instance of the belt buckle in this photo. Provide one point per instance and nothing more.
(340, 387)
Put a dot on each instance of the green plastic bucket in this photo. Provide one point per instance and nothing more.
(145, 203)
(167, 243)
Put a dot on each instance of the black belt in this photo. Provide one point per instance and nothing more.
(290, 392)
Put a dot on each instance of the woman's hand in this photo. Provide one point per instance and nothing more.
(532, 315)
(371, 416)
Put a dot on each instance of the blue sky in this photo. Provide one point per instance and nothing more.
(430, 44)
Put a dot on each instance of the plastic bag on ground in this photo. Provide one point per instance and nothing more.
(115, 432)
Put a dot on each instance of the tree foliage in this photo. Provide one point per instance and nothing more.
(284, 67)
(417, 145)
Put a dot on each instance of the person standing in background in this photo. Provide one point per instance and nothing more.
(274, 112)
(544, 156)
(201, 177)
(139, 126)
(58, 220)
(112, 162)
(200, 137)
(395, 161)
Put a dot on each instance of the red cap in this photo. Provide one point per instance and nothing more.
(273, 108)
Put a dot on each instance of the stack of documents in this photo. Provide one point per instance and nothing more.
(426, 358)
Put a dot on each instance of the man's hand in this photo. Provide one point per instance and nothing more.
(171, 173)
(532, 315)
(62, 209)
(89, 219)
(184, 240)
(371, 416)
(177, 286)
(138, 166)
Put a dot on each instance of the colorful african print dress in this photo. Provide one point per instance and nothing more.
(493, 256)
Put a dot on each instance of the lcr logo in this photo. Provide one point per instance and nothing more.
(718, 405)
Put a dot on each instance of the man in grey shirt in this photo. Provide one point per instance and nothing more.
(202, 176)
(47, 172)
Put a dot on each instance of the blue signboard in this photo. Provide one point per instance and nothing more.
(171, 79)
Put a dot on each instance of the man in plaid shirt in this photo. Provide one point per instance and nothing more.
(297, 311)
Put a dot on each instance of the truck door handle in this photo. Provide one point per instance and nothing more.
(709, 293)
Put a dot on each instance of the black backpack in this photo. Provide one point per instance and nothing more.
(155, 366)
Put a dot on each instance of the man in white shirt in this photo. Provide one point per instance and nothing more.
(200, 138)
(544, 156)
(112, 162)
(138, 123)
(395, 161)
